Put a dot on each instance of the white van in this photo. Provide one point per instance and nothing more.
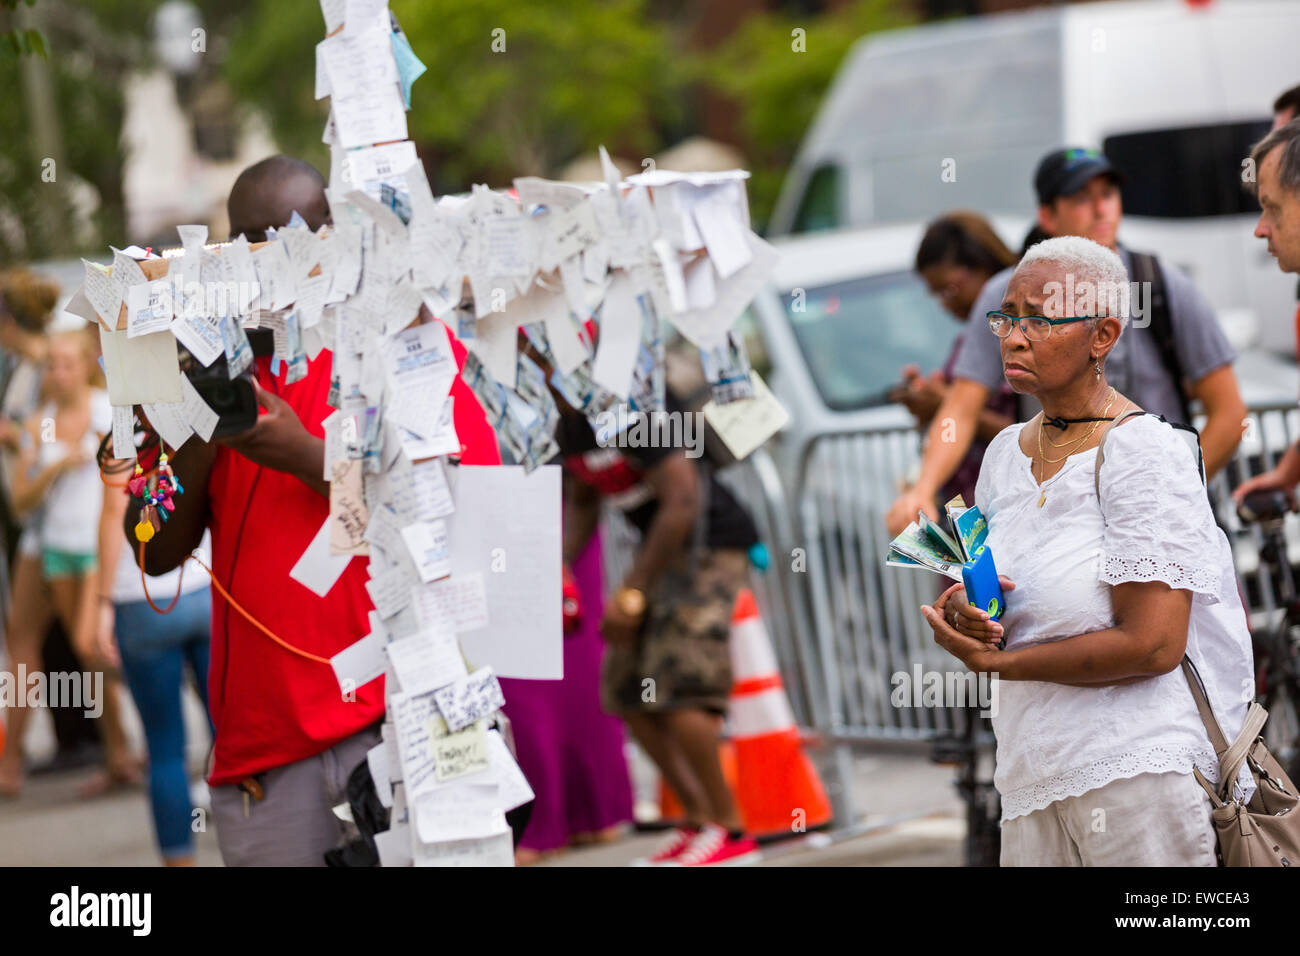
(957, 114)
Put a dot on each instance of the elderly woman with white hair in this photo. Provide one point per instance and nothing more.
(1111, 576)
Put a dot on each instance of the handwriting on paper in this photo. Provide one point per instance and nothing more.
(470, 698)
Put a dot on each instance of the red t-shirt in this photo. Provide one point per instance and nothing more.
(270, 706)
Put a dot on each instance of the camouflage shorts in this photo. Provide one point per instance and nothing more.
(682, 657)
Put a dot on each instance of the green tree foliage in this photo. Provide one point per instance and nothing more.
(779, 89)
(570, 77)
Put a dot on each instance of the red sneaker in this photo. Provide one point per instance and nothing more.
(672, 847)
(714, 846)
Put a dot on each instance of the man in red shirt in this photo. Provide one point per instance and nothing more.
(287, 737)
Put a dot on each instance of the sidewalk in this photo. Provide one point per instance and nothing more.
(913, 818)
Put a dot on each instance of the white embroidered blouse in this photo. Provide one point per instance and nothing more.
(1056, 741)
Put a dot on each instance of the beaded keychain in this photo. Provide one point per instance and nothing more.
(156, 494)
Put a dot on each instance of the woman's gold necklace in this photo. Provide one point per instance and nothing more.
(1044, 461)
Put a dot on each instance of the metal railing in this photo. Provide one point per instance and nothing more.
(843, 628)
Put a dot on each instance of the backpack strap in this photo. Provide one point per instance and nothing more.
(1146, 268)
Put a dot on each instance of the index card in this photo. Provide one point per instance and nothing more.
(196, 412)
(359, 664)
(426, 660)
(104, 293)
(411, 715)
(458, 602)
(745, 424)
(427, 544)
(495, 850)
(123, 432)
(460, 811)
(318, 569)
(470, 698)
(142, 369)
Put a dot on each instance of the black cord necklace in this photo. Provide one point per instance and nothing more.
(1064, 423)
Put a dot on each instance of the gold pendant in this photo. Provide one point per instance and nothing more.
(1041, 498)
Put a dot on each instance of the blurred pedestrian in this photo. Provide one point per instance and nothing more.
(1286, 107)
(1277, 172)
(27, 303)
(155, 652)
(667, 669)
(57, 473)
(568, 748)
(958, 254)
(1182, 356)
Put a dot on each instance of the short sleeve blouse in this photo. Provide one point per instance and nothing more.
(1057, 741)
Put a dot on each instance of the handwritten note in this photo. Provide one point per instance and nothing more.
(123, 432)
(460, 754)
(459, 602)
(411, 715)
(348, 514)
(470, 698)
(426, 541)
(427, 660)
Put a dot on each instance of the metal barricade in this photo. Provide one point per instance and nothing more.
(846, 633)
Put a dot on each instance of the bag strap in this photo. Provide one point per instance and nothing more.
(1146, 268)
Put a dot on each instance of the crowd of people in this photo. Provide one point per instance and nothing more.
(1119, 576)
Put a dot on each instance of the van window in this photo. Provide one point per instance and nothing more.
(1187, 172)
(857, 335)
(819, 208)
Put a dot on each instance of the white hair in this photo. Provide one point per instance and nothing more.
(1086, 265)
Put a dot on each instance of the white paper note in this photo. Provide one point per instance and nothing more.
(470, 698)
(318, 569)
(619, 338)
(123, 432)
(359, 664)
(140, 370)
(427, 660)
(198, 414)
(458, 602)
(169, 421)
(507, 530)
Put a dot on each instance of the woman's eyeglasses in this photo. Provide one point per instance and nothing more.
(1036, 327)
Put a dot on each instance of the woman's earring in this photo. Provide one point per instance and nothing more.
(1098, 367)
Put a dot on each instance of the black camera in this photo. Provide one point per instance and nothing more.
(232, 399)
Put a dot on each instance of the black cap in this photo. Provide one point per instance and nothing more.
(1065, 171)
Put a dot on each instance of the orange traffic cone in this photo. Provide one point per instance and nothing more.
(670, 807)
(777, 787)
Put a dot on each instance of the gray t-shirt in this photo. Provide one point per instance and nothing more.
(1134, 365)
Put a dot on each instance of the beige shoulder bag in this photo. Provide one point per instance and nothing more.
(1266, 830)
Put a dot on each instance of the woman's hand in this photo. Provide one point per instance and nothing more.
(617, 627)
(966, 631)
